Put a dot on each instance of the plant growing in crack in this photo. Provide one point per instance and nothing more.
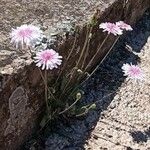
(62, 93)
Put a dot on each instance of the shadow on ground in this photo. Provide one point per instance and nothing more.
(100, 89)
(140, 137)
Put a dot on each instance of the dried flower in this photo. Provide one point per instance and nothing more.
(48, 59)
(25, 35)
(124, 26)
(111, 28)
(132, 71)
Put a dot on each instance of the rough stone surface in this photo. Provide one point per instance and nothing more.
(125, 125)
(121, 119)
(20, 82)
(18, 113)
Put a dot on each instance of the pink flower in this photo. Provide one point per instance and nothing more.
(124, 26)
(132, 71)
(110, 28)
(25, 35)
(48, 59)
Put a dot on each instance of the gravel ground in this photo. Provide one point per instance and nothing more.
(122, 117)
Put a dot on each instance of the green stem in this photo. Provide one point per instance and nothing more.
(97, 66)
(68, 107)
(43, 78)
(102, 59)
(73, 47)
(99, 48)
(86, 111)
(81, 55)
(87, 49)
(46, 94)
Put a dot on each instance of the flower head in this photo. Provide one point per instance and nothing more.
(124, 26)
(25, 35)
(132, 71)
(48, 59)
(111, 28)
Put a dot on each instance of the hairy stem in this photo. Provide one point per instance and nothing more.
(68, 107)
(87, 49)
(96, 66)
(98, 50)
(73, 47)
(73, 71)
(86, 111)
(43, 78)
(101, 60)
(46, 90)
